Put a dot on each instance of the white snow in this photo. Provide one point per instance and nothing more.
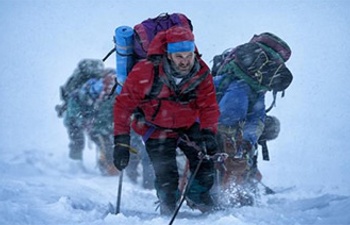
(42, 41)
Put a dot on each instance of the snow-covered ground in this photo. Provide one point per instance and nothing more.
(39, 187)
(42, 41)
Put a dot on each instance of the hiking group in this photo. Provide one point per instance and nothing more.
(172, 103)
(87, 110)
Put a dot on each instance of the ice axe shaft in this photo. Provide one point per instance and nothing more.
(120, 186)
(202, 155)
(268, 190)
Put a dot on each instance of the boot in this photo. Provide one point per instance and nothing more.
(168, 202)
(167, 209)
(205, 203)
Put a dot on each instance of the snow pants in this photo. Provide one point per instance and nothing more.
(75, 124)
(136, 159)
(162, 153)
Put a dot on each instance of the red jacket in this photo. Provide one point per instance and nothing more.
(170, 114)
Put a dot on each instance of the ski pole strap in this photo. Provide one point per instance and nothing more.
(217, 157)
(131, 149)
(184, 138)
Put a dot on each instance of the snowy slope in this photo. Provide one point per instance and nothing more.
(37, 188)
(40, 45)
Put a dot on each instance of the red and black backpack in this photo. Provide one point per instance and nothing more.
(260, 62)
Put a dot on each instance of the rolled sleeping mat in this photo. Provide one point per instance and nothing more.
(124, 42)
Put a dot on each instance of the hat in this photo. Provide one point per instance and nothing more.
(180, 39)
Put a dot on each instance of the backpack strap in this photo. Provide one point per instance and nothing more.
(264, 150)
(156, 85)
(108, 54)
(274, 94)
(116, 83)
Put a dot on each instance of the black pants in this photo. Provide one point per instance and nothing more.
(162, 153)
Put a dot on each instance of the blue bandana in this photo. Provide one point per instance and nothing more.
(182, 46)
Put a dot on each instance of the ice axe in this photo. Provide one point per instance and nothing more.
(119, 195)
(116, 210)
(268, 190)
(202, 155)
(120, 185)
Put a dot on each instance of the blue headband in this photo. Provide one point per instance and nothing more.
(182, 46)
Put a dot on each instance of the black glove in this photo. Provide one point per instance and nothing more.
(121, 152)
(208, 137)
(194, 133)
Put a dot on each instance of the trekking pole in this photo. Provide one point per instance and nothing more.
(183, 197)
(117, 209)
(184, 177)
(268, 190)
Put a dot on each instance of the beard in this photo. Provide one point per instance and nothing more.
(183, 69)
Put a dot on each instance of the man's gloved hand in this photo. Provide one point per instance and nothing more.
(194, 133)
(121, 152)
(208, 137)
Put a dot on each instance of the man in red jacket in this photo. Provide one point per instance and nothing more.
(174, 95)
